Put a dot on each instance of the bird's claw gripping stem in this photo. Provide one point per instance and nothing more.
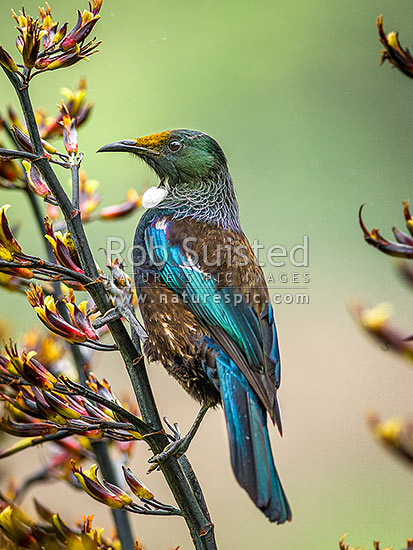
(111, 315)
(179, 445)
(176, 448)
(175, 431)
(116, 313)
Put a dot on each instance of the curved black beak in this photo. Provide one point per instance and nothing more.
(127, 146)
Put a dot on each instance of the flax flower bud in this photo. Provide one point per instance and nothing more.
(136, 486)
(48, 314)
(101, 491)
(36, 182)
(68, 124)
(7, 61)
(132, 202)
(394, 52)
(78, 316)
(84, 26)
(7, 239)
(24, 141)
(63, 251)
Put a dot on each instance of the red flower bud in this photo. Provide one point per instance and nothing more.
(47, 313)
(7, 239)
(26, 429)
(136, 486)
(61, 250)
(78, 316)
(26, 366)
(20, 44)
(9, 172)
(22, 138)
(101, 491)
(133, 201)
(95, 6)
(24, 141)
(36, 181)
(78, 330)
(84, 26)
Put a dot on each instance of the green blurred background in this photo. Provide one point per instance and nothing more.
(312, 127)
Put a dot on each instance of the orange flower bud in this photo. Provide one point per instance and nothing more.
(9, 171)
(95, 6)
(10, 276)
(68, 124)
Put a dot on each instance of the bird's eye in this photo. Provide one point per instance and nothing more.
(174, 145)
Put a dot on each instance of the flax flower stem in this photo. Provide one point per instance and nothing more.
(200, 527)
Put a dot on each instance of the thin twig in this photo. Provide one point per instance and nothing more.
(44, 267)
(171, 511)
(74, 168)
(12, 154)
(73, 388)
(38, 440)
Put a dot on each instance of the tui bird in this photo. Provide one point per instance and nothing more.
(205, 303)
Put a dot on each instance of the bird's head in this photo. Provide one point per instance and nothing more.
(176, 155)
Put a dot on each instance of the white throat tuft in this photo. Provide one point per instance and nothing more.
(153, 196)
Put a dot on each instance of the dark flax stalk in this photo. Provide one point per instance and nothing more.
(100, 448)
(200, 527)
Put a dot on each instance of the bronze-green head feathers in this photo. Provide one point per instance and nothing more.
(179, 155)
(192, 167)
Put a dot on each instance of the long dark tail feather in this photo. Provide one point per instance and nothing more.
(250, 447)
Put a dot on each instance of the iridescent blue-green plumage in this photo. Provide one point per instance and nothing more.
(251, 455)
(209, 320)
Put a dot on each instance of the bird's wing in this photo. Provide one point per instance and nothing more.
(245, 332)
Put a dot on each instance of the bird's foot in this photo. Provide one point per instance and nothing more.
(178, 445)
(119, 312)
(175, 448)
(111, 315)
